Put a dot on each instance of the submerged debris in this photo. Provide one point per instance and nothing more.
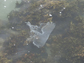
(39, 38)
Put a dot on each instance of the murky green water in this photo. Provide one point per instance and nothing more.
(41, 31)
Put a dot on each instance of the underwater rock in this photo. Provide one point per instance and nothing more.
(40, 34)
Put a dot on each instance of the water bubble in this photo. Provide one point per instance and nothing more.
(60, 12)
(5, 6)
(4, 0)
(50, 14)
(27, 43)
(12, 27)
(14, 44)
(41, 5)
(64, 8)
(15, 53)
(28, 51)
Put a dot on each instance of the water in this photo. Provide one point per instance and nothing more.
(41, 31)
(6, 6)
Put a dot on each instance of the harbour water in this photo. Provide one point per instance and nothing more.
(41, 31)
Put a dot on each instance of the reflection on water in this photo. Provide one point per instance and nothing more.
(62, 43)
